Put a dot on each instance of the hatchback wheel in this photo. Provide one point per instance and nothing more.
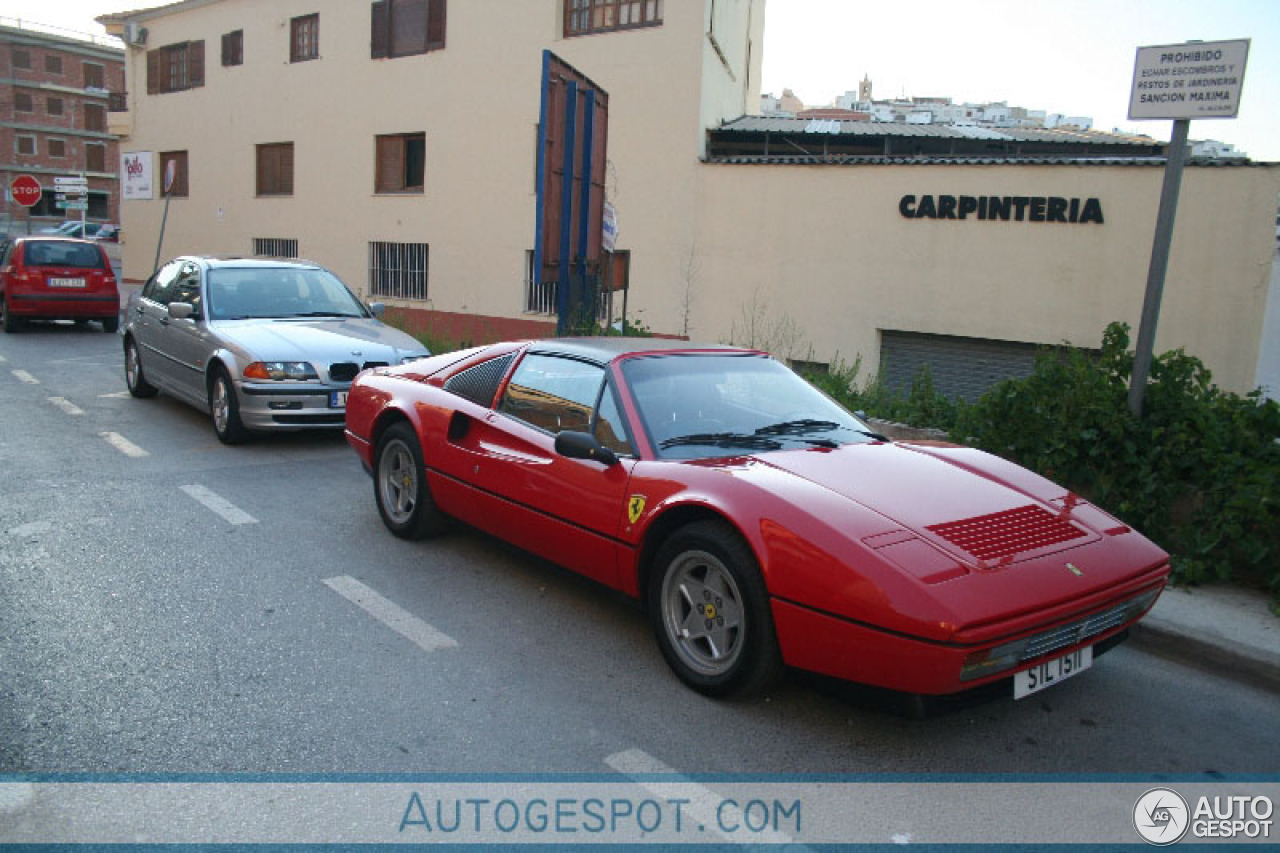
(710, 612)
(225, 409)
(133, 375)
(110, 325)
(10, 323)
(400, 485)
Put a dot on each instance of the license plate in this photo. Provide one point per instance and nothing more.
(66, 282)
(337, 399)
(1051, 672)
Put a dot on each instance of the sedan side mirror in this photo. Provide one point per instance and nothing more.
(377, 309)
(583, 445)
(181, 310)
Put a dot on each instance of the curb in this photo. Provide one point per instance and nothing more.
(1218, 655)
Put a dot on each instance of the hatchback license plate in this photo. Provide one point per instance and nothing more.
(337, 399)
(66, 282)
(1050, 672)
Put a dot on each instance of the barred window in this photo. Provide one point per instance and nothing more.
(398, 270)
(582, 17)
(275, 247)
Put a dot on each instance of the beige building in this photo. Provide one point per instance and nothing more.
(397, 142)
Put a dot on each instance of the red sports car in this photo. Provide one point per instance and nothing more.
(762, 524)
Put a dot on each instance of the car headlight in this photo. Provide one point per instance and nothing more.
(419, 357)
(278, 370)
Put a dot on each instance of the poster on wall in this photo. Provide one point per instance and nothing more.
(135, 175)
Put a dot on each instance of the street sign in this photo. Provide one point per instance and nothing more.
(25, 190)
(70, 183)
(72, 205)
(1199, 79)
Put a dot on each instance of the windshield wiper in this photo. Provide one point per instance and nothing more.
(800, 427)
(723, 439)
(324, 314)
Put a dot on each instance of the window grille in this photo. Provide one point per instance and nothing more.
(275, 247)
(398, 270)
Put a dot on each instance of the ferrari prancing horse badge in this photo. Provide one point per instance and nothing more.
(635, 508)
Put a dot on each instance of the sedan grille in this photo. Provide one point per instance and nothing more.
(345, 371)
(1003, 534)
(1077, 632)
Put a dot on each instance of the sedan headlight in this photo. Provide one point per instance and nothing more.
(296, 371)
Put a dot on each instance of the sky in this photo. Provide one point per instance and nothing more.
(1073, 57)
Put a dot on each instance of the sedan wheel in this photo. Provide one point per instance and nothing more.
(225, 410)
(138, 384)
(710, 612)
(400, 485)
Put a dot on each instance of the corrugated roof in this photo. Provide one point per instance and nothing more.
(777, 124)
(838, 160)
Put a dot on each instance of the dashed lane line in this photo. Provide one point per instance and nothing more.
(23, 376)
(219, 505)
(124, 445)
(391, 614)
(66, 405)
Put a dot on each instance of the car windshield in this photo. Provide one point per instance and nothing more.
(695, 406)
(242, 293)
(62, 253)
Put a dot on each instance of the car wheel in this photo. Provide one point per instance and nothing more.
(710, 612)
(133, 375)
(225, 409)
(110, 325)
(10, 323)
(400, 485)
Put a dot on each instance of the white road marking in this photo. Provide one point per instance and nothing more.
(705, 806)
(23, 376)
(2, 359)
(66, 405)
(391, 614)
(220, 505)
(124, 445)
(116, 394)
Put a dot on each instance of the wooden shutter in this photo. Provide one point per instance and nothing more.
(227, 58)
(408, 27)
(390, 166)
(379, 36)
(195, 64)
(435, 24)
(155, 62)
(286, 168)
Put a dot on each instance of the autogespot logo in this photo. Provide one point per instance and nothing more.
(1161, 816)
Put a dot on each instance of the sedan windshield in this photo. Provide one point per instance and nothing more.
(242, 293)
(699, 406)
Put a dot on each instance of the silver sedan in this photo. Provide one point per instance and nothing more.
(259, 344)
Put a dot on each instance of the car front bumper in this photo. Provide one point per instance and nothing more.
(271, 406)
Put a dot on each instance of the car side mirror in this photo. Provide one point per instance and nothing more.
(377, 309)
(181, 310)
(584, 445)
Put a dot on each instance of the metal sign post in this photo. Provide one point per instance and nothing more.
(170, 172)
(1180, 82)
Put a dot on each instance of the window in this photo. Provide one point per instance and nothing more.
(94, 76)
(398, 270)
(304, 38)
(401, 163)
(275, 247)
(233, 48)
(53, 106)
(275, 169)
(175, 67)
(478, 384)
(21, 59)
(406, 27)
(52, 64)
(95, 157)
(180, 187)
(22, 102)
(24, 144)
(552, 393)
(582, 17)
(95, 117)
(56, 147)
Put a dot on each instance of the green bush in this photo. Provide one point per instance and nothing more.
(1199, 473)
(922, 406)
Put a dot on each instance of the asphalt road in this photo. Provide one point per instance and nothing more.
(194, 609)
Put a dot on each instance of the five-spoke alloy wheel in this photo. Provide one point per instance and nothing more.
(400, 485)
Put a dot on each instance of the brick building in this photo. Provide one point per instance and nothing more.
(54, 87)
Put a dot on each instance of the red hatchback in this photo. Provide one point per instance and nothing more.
(57, 278)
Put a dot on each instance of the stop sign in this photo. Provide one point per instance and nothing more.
(26, 190)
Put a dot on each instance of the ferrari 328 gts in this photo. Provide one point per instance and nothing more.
(762, 525)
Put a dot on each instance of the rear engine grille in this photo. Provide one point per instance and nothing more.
(1076, 632)
(1003, 534)
(345, 371)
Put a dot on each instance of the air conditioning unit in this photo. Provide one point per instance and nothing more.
(135, 34)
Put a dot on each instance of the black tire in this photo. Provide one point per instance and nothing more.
(10, 323)
(224, 409)
(134, 378)
(111, 325)
(706, 577)
(400, 485)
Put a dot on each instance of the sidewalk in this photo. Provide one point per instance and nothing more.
(1227, 630)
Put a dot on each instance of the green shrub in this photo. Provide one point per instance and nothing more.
(922, 406)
